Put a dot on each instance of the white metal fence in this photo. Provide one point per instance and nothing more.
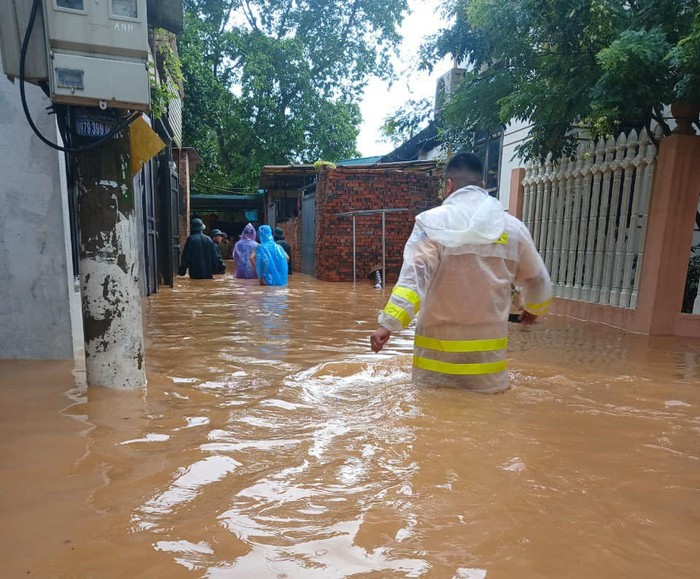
(588, 218)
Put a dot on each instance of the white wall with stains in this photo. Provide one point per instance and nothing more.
(36, 281)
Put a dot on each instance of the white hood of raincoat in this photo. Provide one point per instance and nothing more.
(469, 215)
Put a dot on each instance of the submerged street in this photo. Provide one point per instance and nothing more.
(271, 442)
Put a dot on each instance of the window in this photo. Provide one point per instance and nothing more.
(70, 4)
(125, 8)
(488, 146)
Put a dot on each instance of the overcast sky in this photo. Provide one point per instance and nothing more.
(381, 99)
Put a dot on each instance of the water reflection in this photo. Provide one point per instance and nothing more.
(272, 443)
(272, 331)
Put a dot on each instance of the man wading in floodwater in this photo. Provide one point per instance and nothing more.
(459, 265)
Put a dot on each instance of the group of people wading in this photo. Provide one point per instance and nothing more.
(267, 258)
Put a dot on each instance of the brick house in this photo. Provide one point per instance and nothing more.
(315, 209)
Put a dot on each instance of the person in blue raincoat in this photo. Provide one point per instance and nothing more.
(242, 251)
(269, 259)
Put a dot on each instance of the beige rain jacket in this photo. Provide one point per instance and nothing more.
(459, 265)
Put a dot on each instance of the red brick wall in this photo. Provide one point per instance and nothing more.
(292, 234)
(346, 189)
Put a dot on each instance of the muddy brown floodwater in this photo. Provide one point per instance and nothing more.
(272, 443)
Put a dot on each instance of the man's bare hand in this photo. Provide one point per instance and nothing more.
(527, 319)
(379, 338)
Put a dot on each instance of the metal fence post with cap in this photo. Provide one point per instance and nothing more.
(383, 248)
(354, 255)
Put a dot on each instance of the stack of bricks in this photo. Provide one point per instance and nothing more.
(292, 234)
(347, 189)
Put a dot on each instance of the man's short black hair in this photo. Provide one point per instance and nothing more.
(464, 162)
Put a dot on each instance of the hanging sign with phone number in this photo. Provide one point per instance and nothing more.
(93, 124)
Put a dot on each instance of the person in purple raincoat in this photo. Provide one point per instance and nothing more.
(242, 251)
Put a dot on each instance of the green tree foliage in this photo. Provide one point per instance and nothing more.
(408, 121)
(277, 81)
(601, 65)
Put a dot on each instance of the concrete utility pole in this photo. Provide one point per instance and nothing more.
(109, 267)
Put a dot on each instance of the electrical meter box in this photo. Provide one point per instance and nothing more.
(81, 80)
(14, 20)
(98, 52)
(106, 27)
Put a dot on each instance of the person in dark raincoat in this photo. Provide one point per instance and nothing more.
(269, 259)
(217, 236)
(242, 251)
(278, 236)
(199, 255)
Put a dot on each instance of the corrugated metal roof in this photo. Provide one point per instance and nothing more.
(303, 169)
(425, 140)
(359, 161)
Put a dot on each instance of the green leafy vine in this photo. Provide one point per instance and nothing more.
(167, 88)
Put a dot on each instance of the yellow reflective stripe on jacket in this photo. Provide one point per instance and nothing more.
(539, 309)
(409, 295)
(503, 240)
(399, 313)
(462, 369)
(461, 345)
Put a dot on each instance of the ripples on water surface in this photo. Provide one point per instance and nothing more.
(272, 443)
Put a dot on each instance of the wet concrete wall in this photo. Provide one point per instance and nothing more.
(35, 269)
(341, 190)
